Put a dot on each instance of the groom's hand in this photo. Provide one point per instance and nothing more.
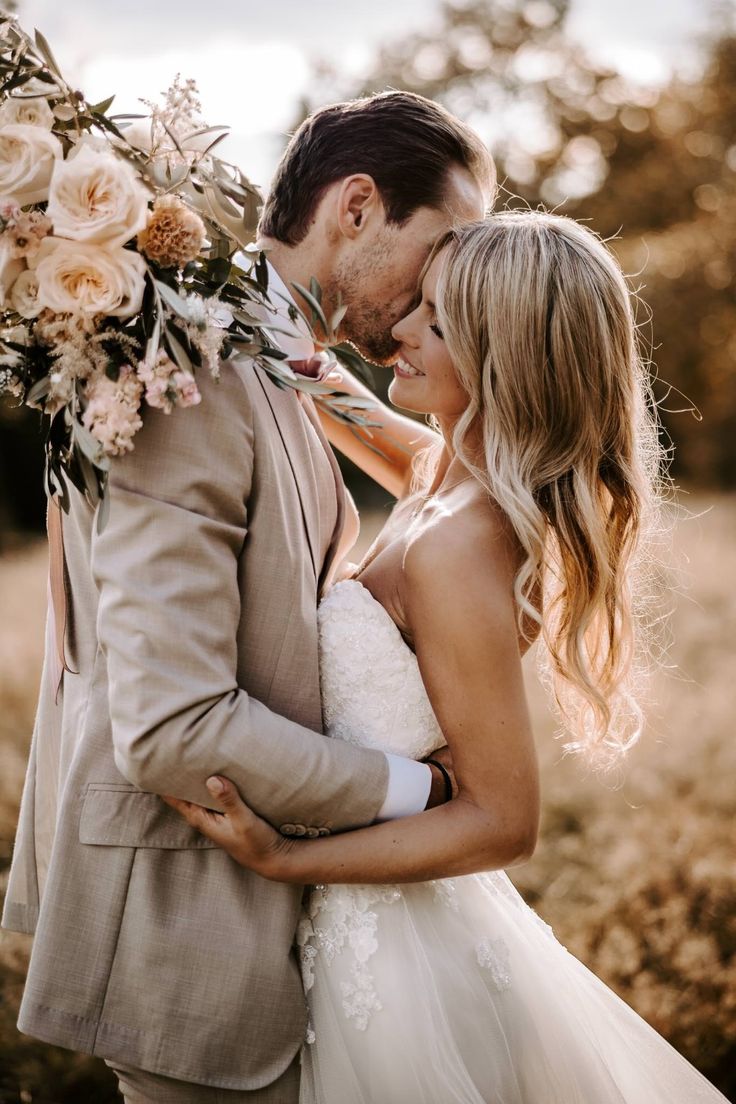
(438, 792)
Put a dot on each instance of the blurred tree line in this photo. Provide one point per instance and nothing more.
(654, 167)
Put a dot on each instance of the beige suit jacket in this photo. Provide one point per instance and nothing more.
(193, 636)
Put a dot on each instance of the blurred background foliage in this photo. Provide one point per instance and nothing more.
(651, 167)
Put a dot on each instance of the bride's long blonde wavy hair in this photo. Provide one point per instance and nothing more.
(539, 324)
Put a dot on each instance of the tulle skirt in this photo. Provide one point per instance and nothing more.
(456, 992)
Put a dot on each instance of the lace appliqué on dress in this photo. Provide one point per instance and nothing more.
(493, 955)
(339, 920)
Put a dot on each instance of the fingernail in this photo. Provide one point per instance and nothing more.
(215, 785)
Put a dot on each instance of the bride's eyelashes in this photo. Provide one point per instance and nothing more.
(436, 331)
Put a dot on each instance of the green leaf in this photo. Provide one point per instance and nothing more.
(173, 300)
(89, 446)
(337, 318)
(103, 106)
(352, 360)
(154, 340)
(90, 478)
(178, 352)
(360, 402)
(39, 391)
(314, 303)
(14, 82)
(206, 130)
(46, 53)
(104, 511)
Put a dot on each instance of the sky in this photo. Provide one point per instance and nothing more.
(253, 61)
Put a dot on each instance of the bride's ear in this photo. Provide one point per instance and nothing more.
(358, 202)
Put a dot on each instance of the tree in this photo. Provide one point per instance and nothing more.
(654, 168)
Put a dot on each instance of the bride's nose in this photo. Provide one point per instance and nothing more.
(405, 331)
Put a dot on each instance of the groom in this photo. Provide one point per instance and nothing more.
(191, 636)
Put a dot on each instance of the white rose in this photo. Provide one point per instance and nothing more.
(83, 278)
(24, 295)
(10, 269)
(27, 158)
(29, 112)
(96, 196)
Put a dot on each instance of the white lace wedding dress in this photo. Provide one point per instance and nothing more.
(453, 991)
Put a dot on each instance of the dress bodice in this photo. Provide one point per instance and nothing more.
(372, 688)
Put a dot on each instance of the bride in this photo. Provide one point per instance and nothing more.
(429, 981)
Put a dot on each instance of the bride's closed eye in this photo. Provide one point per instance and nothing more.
(436, 331)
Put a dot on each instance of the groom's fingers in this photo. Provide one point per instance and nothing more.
(226, 794)
(205, 820)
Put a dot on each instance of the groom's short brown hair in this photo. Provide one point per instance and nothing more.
(405, 142)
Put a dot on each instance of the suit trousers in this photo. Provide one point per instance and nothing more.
(141, 1087)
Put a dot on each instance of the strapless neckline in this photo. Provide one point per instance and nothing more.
(374, 601)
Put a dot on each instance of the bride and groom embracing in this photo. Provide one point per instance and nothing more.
(224, 652)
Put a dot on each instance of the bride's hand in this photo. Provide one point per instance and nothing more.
(251, 841)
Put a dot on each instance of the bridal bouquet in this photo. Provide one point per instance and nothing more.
(127, 264)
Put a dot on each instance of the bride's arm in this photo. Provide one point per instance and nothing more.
(459, 605)
(397, 438)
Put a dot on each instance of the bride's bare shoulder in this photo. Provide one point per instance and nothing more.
(466, 545)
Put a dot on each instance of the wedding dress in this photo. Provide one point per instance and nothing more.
(451, 991)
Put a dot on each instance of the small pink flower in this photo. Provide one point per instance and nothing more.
(186, 388)
(112, 413)
(9, 212)
(24, 231)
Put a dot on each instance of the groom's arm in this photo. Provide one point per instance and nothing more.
(166, 566)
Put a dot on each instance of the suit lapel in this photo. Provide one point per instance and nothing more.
(310, 411)
(288, 420)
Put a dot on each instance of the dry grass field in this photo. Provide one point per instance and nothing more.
(638, 881)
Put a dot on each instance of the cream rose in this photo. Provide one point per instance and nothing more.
(82, 278)
(10, 269)
(96, 196)
(29, 112)
(24, 295)
(28, 155)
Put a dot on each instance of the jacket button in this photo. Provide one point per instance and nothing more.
(323, 832)
(312, 833)
(288, 829)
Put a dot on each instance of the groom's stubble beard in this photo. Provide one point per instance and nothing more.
(372, 309)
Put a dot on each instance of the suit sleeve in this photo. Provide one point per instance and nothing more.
(166, 567)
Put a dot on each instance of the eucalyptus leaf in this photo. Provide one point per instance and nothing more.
(103, 106)
(173, 300)
(90, 447)
(208, 149)
(39, 391)
(337, 318)
(90, 478)
(178, 352)
(103, 512)
(314, 303)
(64, 113)
(358, 401)
(154, 340)
(205, 130)
(46, 53)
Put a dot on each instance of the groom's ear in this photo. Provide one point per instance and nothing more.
(358, 202)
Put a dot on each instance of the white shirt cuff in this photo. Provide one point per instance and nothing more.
(409, 784)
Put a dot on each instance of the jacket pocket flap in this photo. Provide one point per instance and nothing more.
(115, 816)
